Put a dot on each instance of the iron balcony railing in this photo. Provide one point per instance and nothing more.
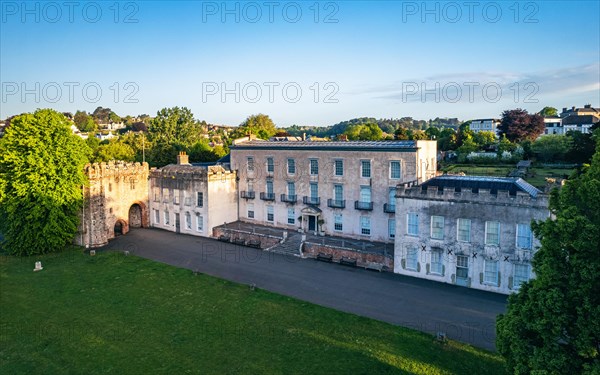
(367, 206)
(334, 203)
(247, 194)
(389, 208)
(267, 196)
(315, 201)
(289, 198)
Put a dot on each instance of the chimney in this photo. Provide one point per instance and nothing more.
(304, 136)
(587, 106)
(573, 108)
(182, 158)
(564, 109)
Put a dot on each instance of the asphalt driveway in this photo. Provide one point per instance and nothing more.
(463, 314)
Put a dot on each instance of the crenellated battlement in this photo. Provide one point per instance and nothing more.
(467, 195)
(116, 168)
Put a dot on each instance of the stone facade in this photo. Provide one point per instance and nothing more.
(363, 258)
(325, 187)
(192, 199)
(479, 239)
(262, 241)
(115, 199)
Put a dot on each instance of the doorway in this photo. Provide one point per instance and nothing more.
(177, 223)
(312, 223)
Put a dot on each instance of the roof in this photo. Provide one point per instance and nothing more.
(494, 184)
(585, 119)
(336, 145)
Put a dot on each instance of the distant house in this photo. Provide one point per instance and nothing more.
(553, 125)
(580, 123)
(488, 124)
(103, 137)
(586, 110)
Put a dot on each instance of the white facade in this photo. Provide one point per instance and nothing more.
(192, 199)
(553, 125)
(490, 125)
(481, 240)
(335, 188)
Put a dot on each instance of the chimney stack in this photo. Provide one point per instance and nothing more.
(182, 158)
(304, 136)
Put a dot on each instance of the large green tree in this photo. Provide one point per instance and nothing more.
(259, 125)
(172, 130)
(369, 131)
(84, 122)
(41, 178)
(549, 111)
(552, 325)
(552, 147)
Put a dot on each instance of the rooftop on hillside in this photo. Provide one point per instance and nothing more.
(474, 183)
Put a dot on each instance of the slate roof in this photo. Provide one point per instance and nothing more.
(337, 145)
(494, 184)
(576, 120)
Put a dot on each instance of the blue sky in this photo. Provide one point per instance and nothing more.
(336, 60)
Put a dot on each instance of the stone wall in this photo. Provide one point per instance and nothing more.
(266, 241)
(363, 258)
(117, 193)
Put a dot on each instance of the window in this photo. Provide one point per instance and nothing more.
(167, 217)
(464, 230)
(462, 266)
(291, 216)
(492, 233)
(412, 258)
(365, 168)
(109, 187)
(199, 223)
(392, 198)
(365, 194)
(314, 190)
(131, 185)
(187, 200)
(490, 275)
(437, 227)
(176, 196)
(436, 262)
(337, 223)
(524, 236)
(250, 164)
(270, 214)
(392, 228)
(291, 188)
(188, 221)
(166, 195)
(156, 194)
(269, 187)
(291, 165)
(338, 166)
(395, 171)
(270, 165)
(365, 225)
(338, 193)
(250, 185)
(156, 216)
(412, 226)
(200, 199)
(251, 211)
(314, 167)
(521, 275)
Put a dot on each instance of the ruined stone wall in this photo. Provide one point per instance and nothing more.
(362, 257)
(117, 192)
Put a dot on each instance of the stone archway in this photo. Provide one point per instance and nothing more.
(135, 216)
(120, 228)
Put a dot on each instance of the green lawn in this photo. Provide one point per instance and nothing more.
(537, 176)
(477, 170)
(126, 315)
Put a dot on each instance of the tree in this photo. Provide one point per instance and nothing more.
(41, 178)
(519, 125)
(505, 146)
(401, 133)
(172, 130)
(116, 149)
(84, 122)
(551, 325)
(484, 138)
(259, 125)
(582, 147)
(365, 132)
(102, 115)
(549, 112)
(552, 147)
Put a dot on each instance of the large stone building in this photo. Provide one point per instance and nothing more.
(334, 188)
(115, 199)
(192, 199)
(469, 231)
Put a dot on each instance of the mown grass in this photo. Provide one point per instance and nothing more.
(476, 170)
(120, 314)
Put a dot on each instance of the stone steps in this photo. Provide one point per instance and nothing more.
(291, 246)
